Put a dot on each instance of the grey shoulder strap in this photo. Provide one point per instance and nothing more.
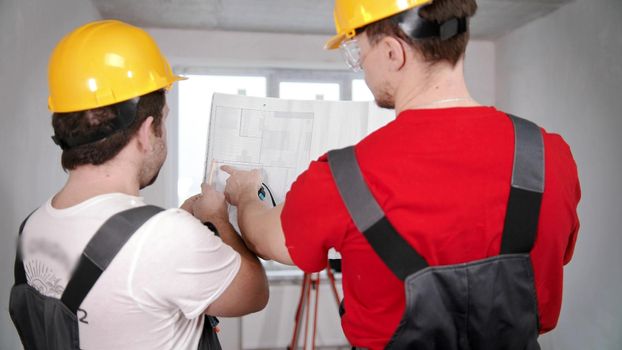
(523, 210)
(101, 250)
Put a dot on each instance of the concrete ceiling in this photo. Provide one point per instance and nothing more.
(493, 19)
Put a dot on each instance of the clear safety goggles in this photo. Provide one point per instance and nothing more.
(352, 54)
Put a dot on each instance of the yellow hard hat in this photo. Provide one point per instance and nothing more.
(103, 63)
(353, 14)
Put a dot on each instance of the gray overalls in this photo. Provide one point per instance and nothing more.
(488, 304)
(46, 323)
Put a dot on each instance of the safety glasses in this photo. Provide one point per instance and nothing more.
(352, 54)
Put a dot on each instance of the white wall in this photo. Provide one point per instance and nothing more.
(194, 48)
(30, 170)
(479, 71)
(564, 71)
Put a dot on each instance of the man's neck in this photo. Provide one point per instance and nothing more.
(88, 181)
(440, 86)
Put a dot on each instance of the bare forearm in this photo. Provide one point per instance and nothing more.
(260, 226)
(252, 213)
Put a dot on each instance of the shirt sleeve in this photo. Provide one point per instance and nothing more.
(314, 217)
(568, 180)
(182, 265)
(572, 240)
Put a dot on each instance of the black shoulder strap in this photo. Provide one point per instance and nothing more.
(100, 251)
(369, 217)
(18, 271)
(523, 210)
(521, 217)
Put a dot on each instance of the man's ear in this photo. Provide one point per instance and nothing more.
(394, 52)
(145, 134)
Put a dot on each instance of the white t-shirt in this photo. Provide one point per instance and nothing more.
(154, 292)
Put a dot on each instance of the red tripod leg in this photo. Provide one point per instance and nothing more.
(317, 302)
(300, 311)
(308, 311)
(310, 281)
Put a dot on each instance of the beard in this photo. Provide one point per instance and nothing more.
(383, 98)
(151, 168)
(385, 102)
(151, 181)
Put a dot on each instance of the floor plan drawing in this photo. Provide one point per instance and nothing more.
(280, 137)
(275, 141)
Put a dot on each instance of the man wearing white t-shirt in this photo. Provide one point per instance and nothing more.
(107, 92)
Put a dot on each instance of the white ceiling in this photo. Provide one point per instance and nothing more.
(493, 19)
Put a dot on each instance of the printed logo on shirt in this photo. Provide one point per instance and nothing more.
(41, 278)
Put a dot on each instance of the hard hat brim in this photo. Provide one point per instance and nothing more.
(174, 79)
(178, 78)
(334, 42)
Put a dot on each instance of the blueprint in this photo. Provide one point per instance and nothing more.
(278, 142)
(280, 137)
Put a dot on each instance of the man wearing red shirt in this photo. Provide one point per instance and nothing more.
(441, 172)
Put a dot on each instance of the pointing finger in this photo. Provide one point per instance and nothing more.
(228, 169)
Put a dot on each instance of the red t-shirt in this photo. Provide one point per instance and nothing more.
(442, 177)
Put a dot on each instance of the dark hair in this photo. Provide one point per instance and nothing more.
(433, 50)
(102, 120)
